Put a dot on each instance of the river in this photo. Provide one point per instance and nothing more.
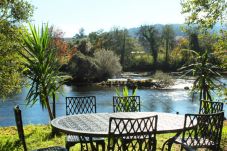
(172, 100)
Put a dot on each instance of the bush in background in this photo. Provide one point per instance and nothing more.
(163, 78)
(108, 64)
(82, 68)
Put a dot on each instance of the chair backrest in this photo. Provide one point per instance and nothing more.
(132, 134)
(19, 124)
(80, 105)
(209, 107)
(126, 104)
(205, 129)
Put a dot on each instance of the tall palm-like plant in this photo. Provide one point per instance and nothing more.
(41, 67)
(206, 73)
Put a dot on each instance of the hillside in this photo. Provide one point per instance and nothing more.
(176, 27)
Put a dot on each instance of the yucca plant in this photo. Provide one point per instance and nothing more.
(125, 94)
(40, 67)
(206, 73)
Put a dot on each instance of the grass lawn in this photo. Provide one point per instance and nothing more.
(39, 136)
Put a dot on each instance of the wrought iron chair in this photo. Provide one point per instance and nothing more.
(126, 104)
(200, 131)
(81, 105)
(208, 107)
(20, 130)
(134, 134)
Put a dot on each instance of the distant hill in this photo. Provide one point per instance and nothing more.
(176, 27)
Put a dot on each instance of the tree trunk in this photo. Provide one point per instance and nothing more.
(167, 49)
(48, 108)
(48, 104)
(54, 106)
(123, 52)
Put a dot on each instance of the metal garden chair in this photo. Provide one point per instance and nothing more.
(200, 131)
(134, 134)
(81, 105)
(19, 124)
(208, 107)
(126, 104)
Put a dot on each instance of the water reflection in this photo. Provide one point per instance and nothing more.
(171, 101)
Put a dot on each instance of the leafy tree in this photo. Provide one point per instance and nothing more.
(168, 35)
(40, 66)
(57, 43)
(117, 40)
(205, 13)
(15, 11)
(149, 37)
(194, 41)
(206, 74)
(82, 43)
(82, 68)
(80, 35)
(12, 15)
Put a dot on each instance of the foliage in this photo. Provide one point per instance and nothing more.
(168, 37)
(149, 37)
(80, 35)
(205, 13)
(108, 63)
(163, 78)
(12, 15)
(39, 136)
(206, 73)
(125, 92)
(15, 11)
(123, 100)
(63, 49)
(82, 43)
(11, 79)
(117, 40)
(140, 61)
(83, 68)
(40, 66)
(193, 40)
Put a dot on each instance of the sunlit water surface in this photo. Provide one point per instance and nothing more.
(172, 100)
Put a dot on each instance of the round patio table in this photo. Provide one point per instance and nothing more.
(97, 124)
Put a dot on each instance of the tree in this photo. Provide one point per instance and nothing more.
(193, 41)
(149, 37)
(168, 36)
(206, 73)
(80, 35)
(205, 13)
(63, 49)
(12, 15)
(116, 40)
(40, 66)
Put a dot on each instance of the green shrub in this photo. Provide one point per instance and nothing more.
(163, 78)
(140, 62)
(108, 63)
(82, 68)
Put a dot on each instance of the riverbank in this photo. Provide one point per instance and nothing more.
(146, 80)
(39, 136)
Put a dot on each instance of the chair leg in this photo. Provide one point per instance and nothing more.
(169, 143)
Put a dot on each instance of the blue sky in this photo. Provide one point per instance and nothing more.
(92, 15)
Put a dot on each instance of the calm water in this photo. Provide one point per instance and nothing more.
(171, 101)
